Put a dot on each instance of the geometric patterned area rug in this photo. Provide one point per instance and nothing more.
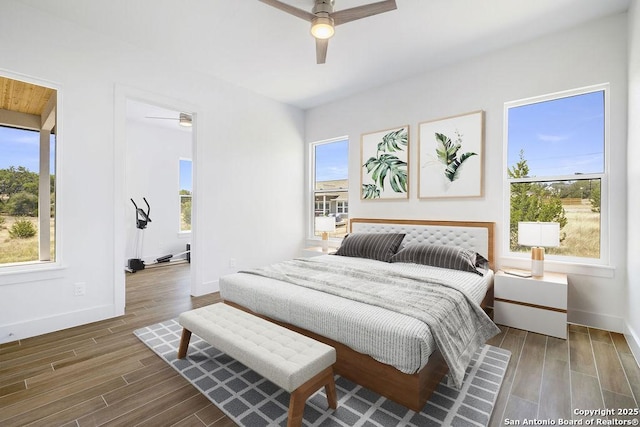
(251, 400)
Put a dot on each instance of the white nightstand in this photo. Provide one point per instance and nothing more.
(537, 304)
(315, 251)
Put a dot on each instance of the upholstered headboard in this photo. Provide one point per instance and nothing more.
(477, 236)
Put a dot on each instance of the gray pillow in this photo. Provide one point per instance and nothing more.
(378, 246)
(452, 257)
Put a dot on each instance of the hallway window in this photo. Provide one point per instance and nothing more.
(186, 193)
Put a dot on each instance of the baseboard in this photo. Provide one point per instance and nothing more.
(634, 342)
(45, 325)
(596, 320)
(206, 288)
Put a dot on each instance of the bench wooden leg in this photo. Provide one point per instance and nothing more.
(184, 343)
(300, 395)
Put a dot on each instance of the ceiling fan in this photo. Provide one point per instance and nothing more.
(323, 19)
(183, 120)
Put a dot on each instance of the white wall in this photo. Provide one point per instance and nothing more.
(633, 171)
(245, 143)
(591, 54)
(153, 156)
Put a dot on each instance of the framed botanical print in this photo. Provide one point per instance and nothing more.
(384, 164)
(450, 155)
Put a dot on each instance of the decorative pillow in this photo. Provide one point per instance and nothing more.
(451, 257)
(379, 246)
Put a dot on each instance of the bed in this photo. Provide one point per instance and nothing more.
(385, 346)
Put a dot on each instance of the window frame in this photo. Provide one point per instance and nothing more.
(312, 190)
(559, 260)
(20, 272)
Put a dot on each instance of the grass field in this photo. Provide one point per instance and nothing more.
(20, 250)
(581, 236)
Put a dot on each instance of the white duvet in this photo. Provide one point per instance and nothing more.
(389, 337)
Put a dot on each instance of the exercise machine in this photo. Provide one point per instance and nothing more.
(142, 220)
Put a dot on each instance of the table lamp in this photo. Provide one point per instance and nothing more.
(538, 235)
(325, 225)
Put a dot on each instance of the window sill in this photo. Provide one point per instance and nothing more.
(595, 270)
(184, 234)
(35, 272)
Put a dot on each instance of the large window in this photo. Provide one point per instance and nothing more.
(27, 173)
(185, 194)
(330, 175)
(556, 169)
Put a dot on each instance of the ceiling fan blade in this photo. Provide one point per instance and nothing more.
(348, 15)
(161, 118)
(307, 16)
(321, 50)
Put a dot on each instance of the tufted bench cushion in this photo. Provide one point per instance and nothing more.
(296, 363)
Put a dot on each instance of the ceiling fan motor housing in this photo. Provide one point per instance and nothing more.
(323, 7)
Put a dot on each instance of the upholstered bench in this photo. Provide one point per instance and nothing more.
(298, 364)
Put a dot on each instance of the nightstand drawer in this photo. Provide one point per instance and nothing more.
(537, 304)
(542, 292)
(547, 322)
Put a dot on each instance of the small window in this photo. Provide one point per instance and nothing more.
(186, 190)
(556, 168)
(27, 173)
(330, 164)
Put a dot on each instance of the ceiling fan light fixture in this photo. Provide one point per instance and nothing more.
(322, 27)
(185, 120)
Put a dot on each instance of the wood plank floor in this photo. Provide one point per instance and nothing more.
(101, 374)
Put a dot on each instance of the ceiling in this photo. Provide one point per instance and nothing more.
(22, 97)
(253, 45)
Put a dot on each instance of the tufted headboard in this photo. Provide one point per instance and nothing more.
(477, 236)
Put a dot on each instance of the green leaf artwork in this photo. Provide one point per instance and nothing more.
(370, 191)
(447, 152)
(387, 169)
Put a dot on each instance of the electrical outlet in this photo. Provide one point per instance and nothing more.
(80, 289)
(7, 338)
(232, 263)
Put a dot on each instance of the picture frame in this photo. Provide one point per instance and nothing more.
(384, 164)
(451, 156)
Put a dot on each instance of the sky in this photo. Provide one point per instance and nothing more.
(332, 161)
(186, 175)
(559, 137)
(19, 147)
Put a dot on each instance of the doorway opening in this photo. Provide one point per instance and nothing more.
(159, 186)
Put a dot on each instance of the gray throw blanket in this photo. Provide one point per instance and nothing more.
(459, 326)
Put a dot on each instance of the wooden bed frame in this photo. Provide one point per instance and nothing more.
(410, 390)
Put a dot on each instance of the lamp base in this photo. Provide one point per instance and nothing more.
(325, 241)
(537, 262)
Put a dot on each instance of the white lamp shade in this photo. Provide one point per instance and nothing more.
(544, 234)
(325, 224)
